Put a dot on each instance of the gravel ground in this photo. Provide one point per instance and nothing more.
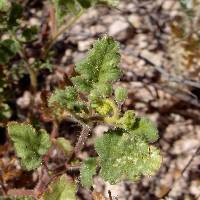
(156, 88)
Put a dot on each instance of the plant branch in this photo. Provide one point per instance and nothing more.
(32, 73)
(82, 138)
(60, 32)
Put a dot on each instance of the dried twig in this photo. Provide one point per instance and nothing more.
(169, 76)
(183, 171)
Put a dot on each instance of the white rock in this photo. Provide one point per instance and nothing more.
(100, 129)
(155, 58)
(34, 22)
(84, 45)
(135, 20)
(24, 101)
(117, 27)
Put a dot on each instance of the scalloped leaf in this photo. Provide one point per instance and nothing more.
(30, 145)
(145, 129)
(127, 121)
(62, 189)
(121, 156)
(88, 170)
(121, 94)
(101, 66)
(66, 99)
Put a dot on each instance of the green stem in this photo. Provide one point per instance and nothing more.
(32, 73)
(60, 32)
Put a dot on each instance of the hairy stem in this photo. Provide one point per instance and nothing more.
(82, 138)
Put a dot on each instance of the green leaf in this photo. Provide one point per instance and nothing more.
(64, 145)
(121, 94)
(145, 129)
(103, 107)
(65, 7)
(101, 66)
(66, 99)
(15, 14)
(127, 121)
(62, 189)
(88, 170)
(8, 49)
(122, 156)
(30, 145)
(100, 90)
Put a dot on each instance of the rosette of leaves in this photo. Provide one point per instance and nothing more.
(125, 152)
(96, 74)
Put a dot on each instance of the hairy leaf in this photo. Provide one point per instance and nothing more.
(103, 107)
(121, 94)
(128, 120)
(88, 170)
(62, 189)
(145, 129)
(66, 99)
(30, 145)
(99, 67)
(123, 156)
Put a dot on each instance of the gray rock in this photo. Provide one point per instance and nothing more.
(119, 29)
